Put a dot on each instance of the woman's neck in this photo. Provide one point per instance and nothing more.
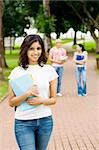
(80, 52)
(33, 63)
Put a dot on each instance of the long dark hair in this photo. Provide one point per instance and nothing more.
(80, 45)
(27, 42)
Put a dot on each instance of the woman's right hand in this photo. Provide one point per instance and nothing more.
(33, 91)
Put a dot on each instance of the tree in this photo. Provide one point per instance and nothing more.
(45, 24)
(47, 14)
(65, 18)
(2, 50)
(88, 13)
(58, 9)
(15, 18)
(1, 27)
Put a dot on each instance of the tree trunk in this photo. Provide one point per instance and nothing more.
(2, 49)
(75, 39)
(96, 38)
(47, 42)
(97, 48)
(10, 45)
(47, 38)
(58, 35)
(97, 45)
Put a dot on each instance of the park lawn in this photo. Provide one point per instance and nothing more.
(12, 61)
(3, 89)
(90, 46)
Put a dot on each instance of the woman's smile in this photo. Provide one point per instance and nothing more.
(34, 53)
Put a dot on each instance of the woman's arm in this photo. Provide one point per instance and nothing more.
(50, 101)
(81, 62)
(78, 61)
(15, 101)
(85, 58)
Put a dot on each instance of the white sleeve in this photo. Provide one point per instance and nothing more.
(85, 55)
(14, 73)
(52, 74)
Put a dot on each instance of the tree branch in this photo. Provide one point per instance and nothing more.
(75, 11)
(91, 19)
(93, 34)
(78, 15)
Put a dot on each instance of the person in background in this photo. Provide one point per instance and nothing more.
(80, 59)
(33, 127)
(57, 55)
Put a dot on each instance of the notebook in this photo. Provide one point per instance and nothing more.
(79, 57)
(20, 85)
(63, 58)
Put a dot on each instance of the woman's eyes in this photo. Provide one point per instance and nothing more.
(38, 48)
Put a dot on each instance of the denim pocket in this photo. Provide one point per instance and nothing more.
(46, 125)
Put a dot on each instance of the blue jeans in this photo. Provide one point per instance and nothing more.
(59, 71)
(33, 134)
(81, 80)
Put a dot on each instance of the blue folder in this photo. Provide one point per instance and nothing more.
(20, 85)
(79, 57)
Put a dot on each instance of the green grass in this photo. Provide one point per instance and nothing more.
(3, 89)
(12, 61)
(90, 46)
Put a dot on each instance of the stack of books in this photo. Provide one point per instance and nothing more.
(20, 85)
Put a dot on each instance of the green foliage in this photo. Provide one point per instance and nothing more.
(44, 23)
(97, 56)
(74, 46)
(65, 25)
(87, 12)
(15, 18)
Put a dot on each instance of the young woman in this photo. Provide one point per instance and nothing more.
(33, 127)
(80, 58)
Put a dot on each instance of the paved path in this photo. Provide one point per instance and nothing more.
(76, 119)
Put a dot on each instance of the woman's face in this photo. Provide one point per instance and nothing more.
(34, 52)
(78, 48)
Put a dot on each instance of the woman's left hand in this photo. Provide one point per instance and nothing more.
(35, 101)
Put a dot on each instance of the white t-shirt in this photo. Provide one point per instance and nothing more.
(42, 77)
(84, 54)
